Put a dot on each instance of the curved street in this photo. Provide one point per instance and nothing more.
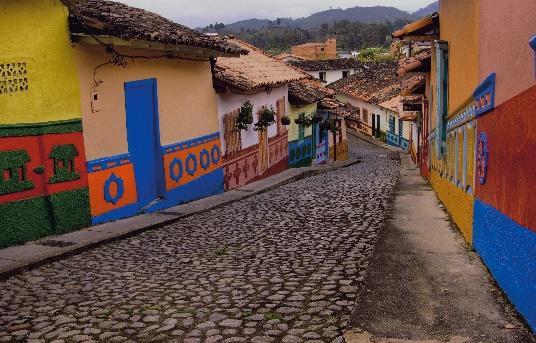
(283, 266)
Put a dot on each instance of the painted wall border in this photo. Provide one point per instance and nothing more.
(191, 143)
(37, 129)
(484, 95)
(108, 162)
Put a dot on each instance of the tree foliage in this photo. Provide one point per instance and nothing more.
(350, 35)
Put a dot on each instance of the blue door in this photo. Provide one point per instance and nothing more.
(144, 139)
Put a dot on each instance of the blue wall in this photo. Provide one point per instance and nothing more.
(509, 251)
(301, 152)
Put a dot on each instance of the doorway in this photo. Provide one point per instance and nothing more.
(143, 136)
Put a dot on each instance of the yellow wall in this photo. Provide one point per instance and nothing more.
(294, 112)
(35, 32)
(459, 22)
(186, 99)
(458, 203)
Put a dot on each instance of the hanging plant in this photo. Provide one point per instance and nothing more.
(245, 116)
(304, 120)
(266, 118)
(285, 120)
(329, 125)
(317, 119)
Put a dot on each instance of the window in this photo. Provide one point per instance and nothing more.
(231, 136)
(322, 76)
(365, 116)
(13, 78)
(322, 49)
(345, 73)
(442, 87)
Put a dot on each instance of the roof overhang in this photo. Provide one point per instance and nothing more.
(424, 29)
(174, 50)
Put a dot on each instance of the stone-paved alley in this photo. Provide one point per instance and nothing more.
(283, 266)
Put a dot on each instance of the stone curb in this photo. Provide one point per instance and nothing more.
(16, 259)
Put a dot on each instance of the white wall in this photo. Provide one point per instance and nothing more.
(372, 109)
(229, 102)
(331, 75)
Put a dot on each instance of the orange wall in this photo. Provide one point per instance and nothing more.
(314, 51)
(459, 20)
(505, 30)
(181, 83)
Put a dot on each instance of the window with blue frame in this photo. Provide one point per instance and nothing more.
(391, 124)
(442, 89)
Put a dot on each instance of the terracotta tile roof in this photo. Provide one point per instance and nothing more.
(332, 64)
(377, 83)
(427, 26)
(255, 70)
(410, 116)
(339, 108)
(411, 99)
(305, 92)
(413, 63)
(118, 20)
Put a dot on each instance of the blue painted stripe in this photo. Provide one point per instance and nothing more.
(108, 162)
(185, 145)
(205, 186)
(509, 251)
(487, 86)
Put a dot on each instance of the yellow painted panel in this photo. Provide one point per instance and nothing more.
(35, 32)
(460, 205)
(471, 139)
(294, 112)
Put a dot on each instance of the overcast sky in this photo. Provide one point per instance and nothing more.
(196, 13)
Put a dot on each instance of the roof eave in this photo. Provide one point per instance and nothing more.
(180, 50)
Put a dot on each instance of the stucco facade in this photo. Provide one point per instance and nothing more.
(482, 170)
(300, 137)
(43, 186)
(187, 157)
(244, 164)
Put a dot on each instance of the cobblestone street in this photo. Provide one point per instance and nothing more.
(283, 266)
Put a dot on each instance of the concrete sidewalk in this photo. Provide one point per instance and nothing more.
(425, 284)
(32, 254)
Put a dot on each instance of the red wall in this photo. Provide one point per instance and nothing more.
(511, 179)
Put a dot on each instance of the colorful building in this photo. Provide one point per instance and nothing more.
(481, 133)
(150, 144)
(316, 51)
(318, 124)
(101, 121)
(43, 179)
(259, 148)
(376, 89)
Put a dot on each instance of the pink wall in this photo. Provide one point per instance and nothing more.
(506, 26)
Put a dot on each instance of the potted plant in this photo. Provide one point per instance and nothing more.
(266, 118)
(245, 116)
(304, 120)
(285, 120)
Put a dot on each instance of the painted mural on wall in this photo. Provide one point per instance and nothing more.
(43, 183)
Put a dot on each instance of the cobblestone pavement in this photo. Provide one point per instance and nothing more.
(283, 266)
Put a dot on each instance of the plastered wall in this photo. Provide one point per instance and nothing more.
(181, 83)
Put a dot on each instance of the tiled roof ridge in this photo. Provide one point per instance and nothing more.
(106, 17)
